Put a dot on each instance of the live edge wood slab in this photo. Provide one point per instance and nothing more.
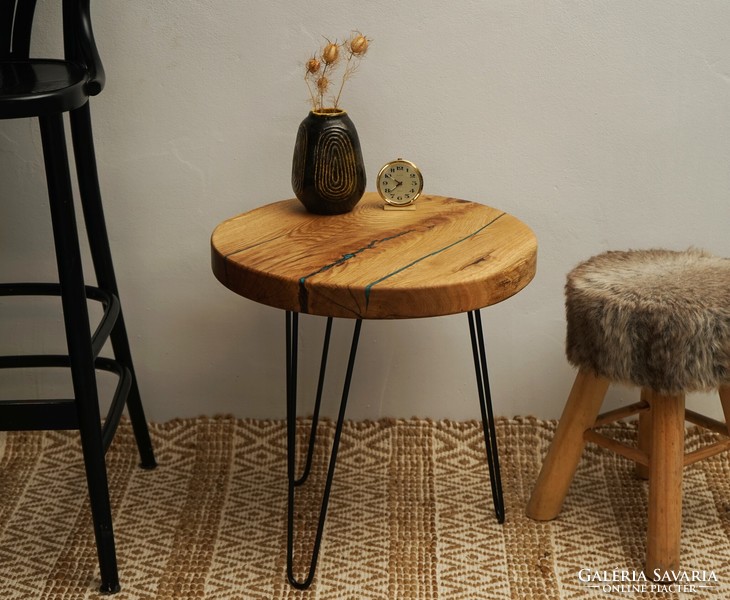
(447, 256)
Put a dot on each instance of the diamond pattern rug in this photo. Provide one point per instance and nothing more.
(410, 516)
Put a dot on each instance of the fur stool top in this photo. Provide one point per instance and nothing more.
(658, 319)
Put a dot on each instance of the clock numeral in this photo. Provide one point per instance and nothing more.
(413, 175)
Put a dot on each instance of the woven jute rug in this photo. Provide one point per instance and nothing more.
(410, 516)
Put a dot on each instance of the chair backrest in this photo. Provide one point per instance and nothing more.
(16, 21)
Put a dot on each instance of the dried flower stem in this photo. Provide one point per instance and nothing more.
(347, 74)
(325, 63)
(309, 87)
(313, 66)
(323, 88)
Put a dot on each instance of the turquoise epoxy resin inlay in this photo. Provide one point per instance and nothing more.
(370, 286)
(303, 294)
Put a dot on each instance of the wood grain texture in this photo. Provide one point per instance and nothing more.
(561, 461)
(448, 256)
(666, 462)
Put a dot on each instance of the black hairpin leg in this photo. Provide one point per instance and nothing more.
(485, 404)
(292, 327)
(317, 402)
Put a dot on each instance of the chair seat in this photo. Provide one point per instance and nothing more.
(37, 87)
(659, 319)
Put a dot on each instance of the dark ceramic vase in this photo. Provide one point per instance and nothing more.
(328, 174)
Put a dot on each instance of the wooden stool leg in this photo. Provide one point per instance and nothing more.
(725, 401)
(644, 436)
(557, 471)
(665, 484)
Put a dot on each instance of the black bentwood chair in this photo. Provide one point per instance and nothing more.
(46, 89)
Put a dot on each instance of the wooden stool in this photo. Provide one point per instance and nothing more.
(659, 320)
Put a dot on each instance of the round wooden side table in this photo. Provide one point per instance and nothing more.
(446, 256)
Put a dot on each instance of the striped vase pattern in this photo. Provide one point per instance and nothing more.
(328, 173)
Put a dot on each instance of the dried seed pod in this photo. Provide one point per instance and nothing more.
(359, 44)
(322, 84)
(313, 66)
(330, 53)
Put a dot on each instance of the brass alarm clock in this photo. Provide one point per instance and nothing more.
(400, 182)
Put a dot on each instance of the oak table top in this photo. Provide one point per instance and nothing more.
(447, 256)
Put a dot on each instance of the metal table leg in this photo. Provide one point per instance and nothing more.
(485, 404)
(292, 329)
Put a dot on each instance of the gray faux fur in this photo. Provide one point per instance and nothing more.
(654, 318)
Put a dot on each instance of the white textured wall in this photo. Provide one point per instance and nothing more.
(602, 124)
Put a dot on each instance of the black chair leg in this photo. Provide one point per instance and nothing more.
(78, 337)
(101, 256)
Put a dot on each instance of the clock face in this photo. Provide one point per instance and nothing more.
(400, 182)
